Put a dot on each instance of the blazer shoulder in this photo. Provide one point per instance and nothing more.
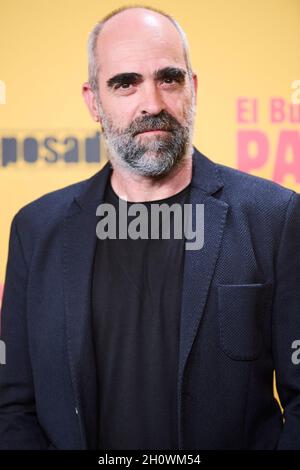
(52, 206)
(243, 186)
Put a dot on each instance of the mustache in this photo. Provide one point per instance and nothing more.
(160, 122)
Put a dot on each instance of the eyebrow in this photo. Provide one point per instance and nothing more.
(175, 73)
(170, 72)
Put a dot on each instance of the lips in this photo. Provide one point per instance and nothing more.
(153, 130)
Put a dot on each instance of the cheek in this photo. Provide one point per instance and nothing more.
(118, 112)
(179, 105)
(179, 110)
(186, 107)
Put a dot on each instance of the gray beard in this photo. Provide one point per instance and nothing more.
(149, 156)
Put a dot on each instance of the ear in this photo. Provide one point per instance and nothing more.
(90, 101)
(195, 82)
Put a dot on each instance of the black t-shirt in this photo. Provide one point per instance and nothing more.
(136, 296)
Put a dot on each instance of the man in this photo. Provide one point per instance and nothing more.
(142, 344)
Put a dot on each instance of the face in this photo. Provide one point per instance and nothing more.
(146, 100)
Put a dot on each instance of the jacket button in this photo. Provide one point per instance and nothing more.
(76, 411)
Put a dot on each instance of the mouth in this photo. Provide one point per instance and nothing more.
(153, 131)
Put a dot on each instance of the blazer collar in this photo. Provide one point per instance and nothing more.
(205, 176)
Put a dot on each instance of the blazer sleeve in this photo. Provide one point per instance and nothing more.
(286, 325)
(19, 426)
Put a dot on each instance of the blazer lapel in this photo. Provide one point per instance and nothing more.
(199, 264)
(78, 254)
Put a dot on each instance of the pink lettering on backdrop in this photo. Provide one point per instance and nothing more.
(247, 140)
(280, 111)
(246, 110)
(288, 144)
(254, 148)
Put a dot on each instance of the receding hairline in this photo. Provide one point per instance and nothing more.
(123, 9)
(95, 33)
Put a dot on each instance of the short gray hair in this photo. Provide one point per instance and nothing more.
(93, 66)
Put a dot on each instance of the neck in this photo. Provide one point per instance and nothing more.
(137, 188)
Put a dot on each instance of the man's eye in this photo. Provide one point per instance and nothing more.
(171, 81)
(168, 80)
(123, 86)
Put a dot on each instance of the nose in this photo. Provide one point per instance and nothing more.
(152, 102)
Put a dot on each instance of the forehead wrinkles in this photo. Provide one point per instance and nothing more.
(128, 55)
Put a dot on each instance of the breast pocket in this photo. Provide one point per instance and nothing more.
(241, 310)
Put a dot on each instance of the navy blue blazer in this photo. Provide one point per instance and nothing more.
(240, 316)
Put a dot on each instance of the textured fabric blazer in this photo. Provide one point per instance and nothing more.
(240, 318)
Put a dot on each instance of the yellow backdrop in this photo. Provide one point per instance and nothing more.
(246, 55)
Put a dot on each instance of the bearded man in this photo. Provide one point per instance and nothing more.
(135, 342)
